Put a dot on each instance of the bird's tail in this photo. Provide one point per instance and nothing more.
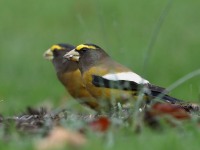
(166, 97)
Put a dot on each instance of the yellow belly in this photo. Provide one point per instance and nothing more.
(74, 85)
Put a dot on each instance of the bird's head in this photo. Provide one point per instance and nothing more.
(87, 55)
(55, 54)
(57, 51)
(89, 52)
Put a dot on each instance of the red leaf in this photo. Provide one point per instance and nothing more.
(101, 124)
(175, 111)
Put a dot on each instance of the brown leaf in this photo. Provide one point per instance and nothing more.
(59, 137)
(175, 111)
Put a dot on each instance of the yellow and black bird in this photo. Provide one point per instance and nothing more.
(69, 74)
(108, 80)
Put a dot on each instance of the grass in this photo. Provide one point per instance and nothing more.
(124, 30)
(148, 140)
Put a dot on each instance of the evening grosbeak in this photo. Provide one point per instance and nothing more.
(109, 81)
(69, 74)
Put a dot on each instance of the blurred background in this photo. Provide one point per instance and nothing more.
(123, 28)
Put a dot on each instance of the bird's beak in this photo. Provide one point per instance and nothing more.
(73, 55)
(48, 55)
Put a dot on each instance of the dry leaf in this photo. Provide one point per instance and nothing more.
(59, 137)
(177, 112)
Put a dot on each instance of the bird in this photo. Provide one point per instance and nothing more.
(109, 81)
(69, 74)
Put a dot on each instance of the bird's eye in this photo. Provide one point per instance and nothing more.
(84, 49)
(55, 52)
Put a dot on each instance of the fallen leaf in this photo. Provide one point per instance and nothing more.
(60, 137)
(169, 109)
(101, 124)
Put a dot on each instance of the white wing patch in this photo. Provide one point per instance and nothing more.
(129, 76)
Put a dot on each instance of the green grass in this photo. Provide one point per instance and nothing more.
(148, 140)
(123, 29)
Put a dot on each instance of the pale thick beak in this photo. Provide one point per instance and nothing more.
(48, 54)
(73, 55)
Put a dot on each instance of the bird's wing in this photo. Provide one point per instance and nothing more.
(153, 90)
(157, 89)
(126, 76)
(99, 81)
(125, 81)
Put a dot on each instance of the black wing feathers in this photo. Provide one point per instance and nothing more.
(154, 91)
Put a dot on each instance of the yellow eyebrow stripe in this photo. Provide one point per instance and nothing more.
(79, 47)
(57, 47)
